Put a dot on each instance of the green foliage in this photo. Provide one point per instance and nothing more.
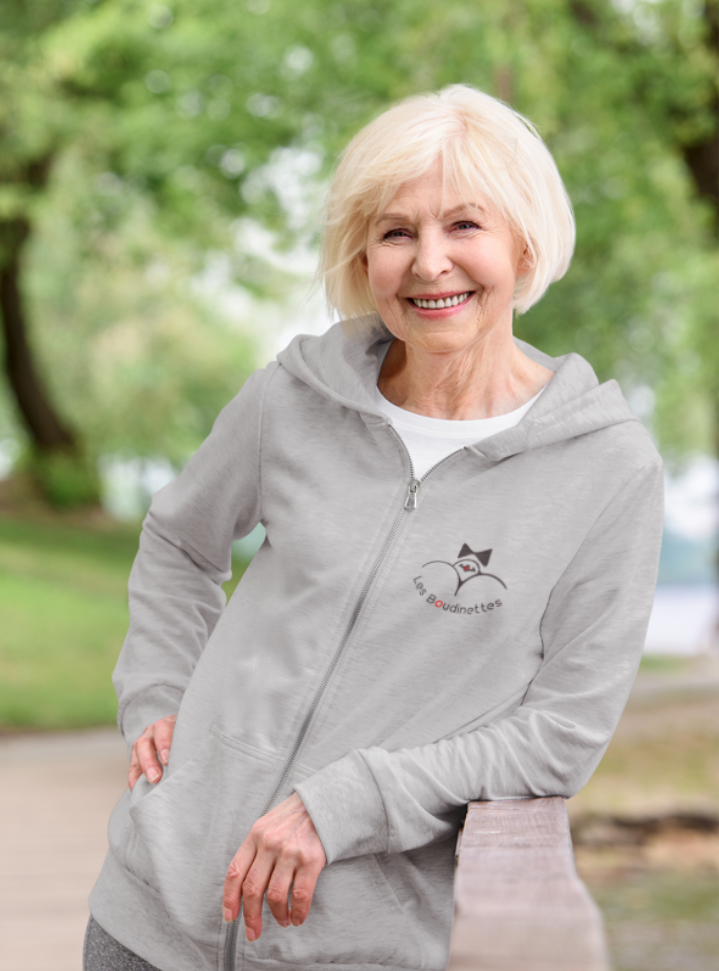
(164, 122)
(140, 361)
(66, 478)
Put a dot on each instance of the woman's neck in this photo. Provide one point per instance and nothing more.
(482, 384)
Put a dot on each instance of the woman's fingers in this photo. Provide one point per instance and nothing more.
(254, 886)
(135, 771)
(236, 873)
(278, 892)
(143, 761)
(147, 756)
(303, 891)
(151, 751)
(282, 851)
(163, 732)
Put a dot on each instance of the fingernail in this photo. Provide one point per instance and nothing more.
(227, 914)
(153, 775)
(296, 921)
(165, 755)
(284, 923)
(251, 935)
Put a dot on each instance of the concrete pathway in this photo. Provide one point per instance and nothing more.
(56, 794)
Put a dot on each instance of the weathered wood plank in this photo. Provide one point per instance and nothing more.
(519, 903)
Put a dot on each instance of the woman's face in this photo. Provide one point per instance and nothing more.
(431, 244)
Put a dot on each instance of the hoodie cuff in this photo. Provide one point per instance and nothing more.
(146, 708)
(346, 808)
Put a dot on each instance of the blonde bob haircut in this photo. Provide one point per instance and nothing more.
(486, 149)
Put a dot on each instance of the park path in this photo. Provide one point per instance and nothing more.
(56, 794)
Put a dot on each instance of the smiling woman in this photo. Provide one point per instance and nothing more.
(485, 156)
(462, 537)
(443, 275)
(431, 259)
(446, 216)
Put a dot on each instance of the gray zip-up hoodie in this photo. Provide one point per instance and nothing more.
(395, 650)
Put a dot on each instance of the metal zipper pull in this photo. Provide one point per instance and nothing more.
(411, 500)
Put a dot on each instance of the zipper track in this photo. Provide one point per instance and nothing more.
(411, 463)
(409, 504)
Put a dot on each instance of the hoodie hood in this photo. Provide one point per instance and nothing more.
(344, 369)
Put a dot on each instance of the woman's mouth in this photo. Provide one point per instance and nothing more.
(442, 302)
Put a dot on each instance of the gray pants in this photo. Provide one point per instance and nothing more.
(104, 953)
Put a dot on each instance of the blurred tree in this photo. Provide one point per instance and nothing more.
(142, 362)
(195, 111)
(27, 156)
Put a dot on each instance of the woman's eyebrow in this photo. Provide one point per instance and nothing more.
(403, 216)
(392, 217)
(464, 207)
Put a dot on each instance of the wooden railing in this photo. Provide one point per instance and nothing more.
(519, 904)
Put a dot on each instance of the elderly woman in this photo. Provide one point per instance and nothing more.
(450, 603)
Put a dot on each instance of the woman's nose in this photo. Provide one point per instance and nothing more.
(431, 259)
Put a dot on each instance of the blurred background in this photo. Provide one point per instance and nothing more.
(162, 170)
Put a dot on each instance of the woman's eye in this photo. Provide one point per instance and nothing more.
(466, 224)
(395, 234)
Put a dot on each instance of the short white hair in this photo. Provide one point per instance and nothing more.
(485, 148)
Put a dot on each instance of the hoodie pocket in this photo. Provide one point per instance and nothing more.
(186, 830)
(355, 918)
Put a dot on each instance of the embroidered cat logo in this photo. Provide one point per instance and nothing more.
(469, 566)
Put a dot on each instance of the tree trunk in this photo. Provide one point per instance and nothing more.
(47, 432)
(702, 157)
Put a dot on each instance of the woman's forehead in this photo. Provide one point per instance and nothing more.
(445, 188)
(434, 195)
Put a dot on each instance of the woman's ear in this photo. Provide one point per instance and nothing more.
(524, 264)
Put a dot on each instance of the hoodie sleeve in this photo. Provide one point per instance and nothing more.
(175, 591)
(593, 634)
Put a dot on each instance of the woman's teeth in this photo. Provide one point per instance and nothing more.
(441, 304)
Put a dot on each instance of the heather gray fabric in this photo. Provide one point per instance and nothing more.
(103, 953)
(480, 645)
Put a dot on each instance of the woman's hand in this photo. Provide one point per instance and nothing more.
(281, 850)
(151, 751)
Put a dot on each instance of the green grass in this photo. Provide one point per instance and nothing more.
(665, 663)
(63, 610)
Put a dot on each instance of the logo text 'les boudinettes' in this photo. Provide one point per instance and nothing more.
(467, 567)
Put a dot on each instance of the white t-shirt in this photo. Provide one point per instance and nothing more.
(429, 440)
